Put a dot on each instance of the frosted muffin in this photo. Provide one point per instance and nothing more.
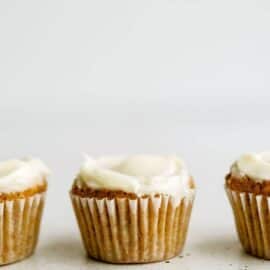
(134, 209)
(248, 189)
(22, 190)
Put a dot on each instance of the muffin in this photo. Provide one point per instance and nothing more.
(133, 209)
(22, 191)
(248, 189)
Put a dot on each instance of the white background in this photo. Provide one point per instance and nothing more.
(121, 77)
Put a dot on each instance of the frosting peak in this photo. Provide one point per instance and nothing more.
(139, 174)
(254, 165)
(17, 175)
(147, 166)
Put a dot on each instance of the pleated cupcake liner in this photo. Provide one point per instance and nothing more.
(19, 227)
(252, 219)
(123, 230)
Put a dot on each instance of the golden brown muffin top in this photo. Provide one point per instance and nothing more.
(24, 194)
(247, 184)
(88, 192)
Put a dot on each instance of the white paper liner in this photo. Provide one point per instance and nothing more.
(139, 230)
(252, 219)
(19, 227)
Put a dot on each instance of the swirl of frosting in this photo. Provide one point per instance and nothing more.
(139, 174)
(18, 175)
(254, 165)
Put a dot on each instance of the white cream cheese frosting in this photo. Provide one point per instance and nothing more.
(139, 174)
(254, 165)
(17, 175)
